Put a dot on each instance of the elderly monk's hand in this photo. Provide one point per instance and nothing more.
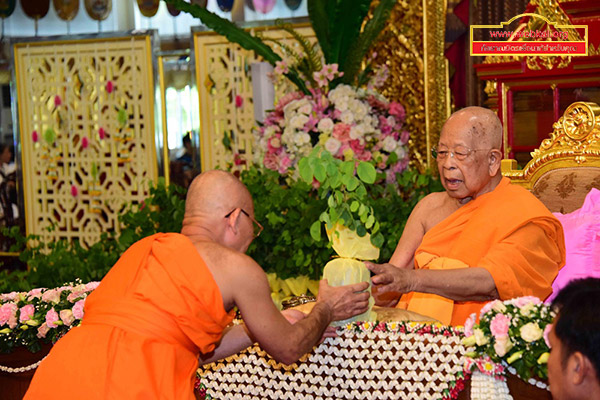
(390, 279)
(344, 301)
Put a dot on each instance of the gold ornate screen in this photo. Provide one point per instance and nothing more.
(222, 73)
(86, 121)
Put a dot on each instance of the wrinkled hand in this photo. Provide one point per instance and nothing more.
(344, 301)
(386, 299)
(389, 279)
(293, 316)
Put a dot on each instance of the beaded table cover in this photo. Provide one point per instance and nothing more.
(366, 361)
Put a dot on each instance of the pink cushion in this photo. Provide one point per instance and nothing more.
(582, 242)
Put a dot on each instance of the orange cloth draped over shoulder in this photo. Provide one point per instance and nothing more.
(143, 328)
(507, 231)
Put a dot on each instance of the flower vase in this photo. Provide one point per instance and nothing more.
(14, 384)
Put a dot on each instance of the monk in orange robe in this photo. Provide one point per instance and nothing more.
(482, 239)
(168, 301)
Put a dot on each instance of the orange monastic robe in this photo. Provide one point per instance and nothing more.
(143, 328)
(508, 232)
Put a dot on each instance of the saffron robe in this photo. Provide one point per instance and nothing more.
(507, 231)
(143, 328)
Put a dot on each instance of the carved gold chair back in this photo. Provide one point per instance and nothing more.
(566, 166)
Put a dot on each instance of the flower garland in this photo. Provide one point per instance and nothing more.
(40, 315)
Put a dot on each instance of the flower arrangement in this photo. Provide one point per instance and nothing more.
(350, 123)
(40, 315)
(510, 334)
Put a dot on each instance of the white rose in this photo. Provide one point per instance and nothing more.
(302, 139)
(531, 332)
(502, 346)
(389, 144)
(325, 125)
(498, 306)
(527, 309)
(305, 109)
(480, 338)
(342, 104)
(332, 145)
(391, 120)
(347, 117)
(400, 152)
(298, 121)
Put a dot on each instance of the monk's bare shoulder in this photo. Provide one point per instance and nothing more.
(434, 208)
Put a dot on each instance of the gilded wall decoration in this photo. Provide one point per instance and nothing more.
(86, 122)
(412, 45)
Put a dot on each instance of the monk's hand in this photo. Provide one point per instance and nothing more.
(344, 301)
(389, 278)
(293, 316)
(386, 299)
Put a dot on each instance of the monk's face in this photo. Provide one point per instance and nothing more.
(464, 160)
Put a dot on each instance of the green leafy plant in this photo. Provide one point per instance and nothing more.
(346, 193)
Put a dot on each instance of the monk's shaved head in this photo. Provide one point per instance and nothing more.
(482, 123)
(215, 193)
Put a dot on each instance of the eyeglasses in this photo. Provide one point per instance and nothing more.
(459, 152)
(257, 227)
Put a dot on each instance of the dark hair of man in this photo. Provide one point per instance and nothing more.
(577, 325)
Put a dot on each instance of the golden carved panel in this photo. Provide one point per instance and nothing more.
(86, 120)
(574, 141)
(412, 45)
(222, 74)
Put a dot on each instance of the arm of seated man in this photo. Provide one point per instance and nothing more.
(283, 341)
(524, 263)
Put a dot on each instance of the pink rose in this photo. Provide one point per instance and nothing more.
(109, 87)
(8, 314)
(404, 136)
(74, 296)
(91, 286)
(285, 164)
(26, 312)
(34, 294)
(74, 191)
(341, 132)
(499, 325)
(51, 318)
(66, 316)
(51, 296)
(78, 309)
(271, 161)
(35, 136)
(486, 308)
(42, 331)
(469, 323)
(101, 133)
(57, 101)
(84, 142)
(397, 110)
(525, 300)
(547, 330)
(9, 296)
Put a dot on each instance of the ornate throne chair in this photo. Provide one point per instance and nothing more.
(567, 165)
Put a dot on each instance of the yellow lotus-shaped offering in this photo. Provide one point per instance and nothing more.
(348, 267)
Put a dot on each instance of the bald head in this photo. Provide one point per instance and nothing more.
(215, 193)
(483, 124)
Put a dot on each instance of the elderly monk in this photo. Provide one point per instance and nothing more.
(170, 299)
(481, 239)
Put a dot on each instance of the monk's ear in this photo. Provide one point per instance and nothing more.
(494, 158)
(233, 220)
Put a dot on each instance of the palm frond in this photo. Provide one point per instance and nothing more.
(361, 46)
(319, 13)
(314, 58)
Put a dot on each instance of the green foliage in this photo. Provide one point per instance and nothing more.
(54, 263)
(287, 212)
(345, 191)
